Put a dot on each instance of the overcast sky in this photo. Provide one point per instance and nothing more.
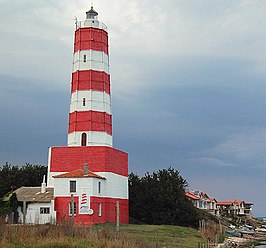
(188, 87)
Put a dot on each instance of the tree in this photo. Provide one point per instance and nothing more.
(13, 177)
(159, 198)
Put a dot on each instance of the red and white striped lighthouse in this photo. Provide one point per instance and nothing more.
(104, 182)
(90, 118)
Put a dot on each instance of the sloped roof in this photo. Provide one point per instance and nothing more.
(191, 195)
(33, 194)
(204, 194)
(226, 203)
(231, 202)
(78, 174)
(237, 202)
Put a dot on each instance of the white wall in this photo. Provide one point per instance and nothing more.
(115, 186)
(95, 60)
(94, 100)
(93, 139)
(33, 215)
(49, 176)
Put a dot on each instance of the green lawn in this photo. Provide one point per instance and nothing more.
(162, 235)
(105, 236)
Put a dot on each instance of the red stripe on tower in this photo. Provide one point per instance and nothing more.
(90, 121)
(90, 80)
(91, 39)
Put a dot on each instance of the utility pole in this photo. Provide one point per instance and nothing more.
(24, 211)
(117, 216)
(72, 209)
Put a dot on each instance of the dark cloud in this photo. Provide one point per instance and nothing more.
(32, 120)
(203, 121)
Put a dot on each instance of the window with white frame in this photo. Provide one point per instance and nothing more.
(72, 187)
(44, 210)
(99, 209)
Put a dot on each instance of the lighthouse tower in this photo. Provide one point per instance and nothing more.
(90, 119)
(89, 170)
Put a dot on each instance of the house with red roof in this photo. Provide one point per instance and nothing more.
(201, 200)
(95, 196)
(235, 207)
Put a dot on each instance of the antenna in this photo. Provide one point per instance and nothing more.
(76, 22)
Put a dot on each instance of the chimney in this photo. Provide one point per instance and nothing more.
(86, 170)
(43, 187)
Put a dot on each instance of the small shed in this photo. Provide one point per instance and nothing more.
(38, 205)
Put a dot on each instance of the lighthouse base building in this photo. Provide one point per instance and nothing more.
(97, 179)
(87, 180)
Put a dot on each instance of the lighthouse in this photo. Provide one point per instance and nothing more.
(90, 118)
(88, 175)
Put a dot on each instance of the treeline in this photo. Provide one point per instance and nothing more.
(13, 176)
(156, 198)
(159, 198)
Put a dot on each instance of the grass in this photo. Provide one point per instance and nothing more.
(164, 235)
(131, 236)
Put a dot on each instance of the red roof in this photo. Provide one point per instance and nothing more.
(192, 196)
(204, 194)
(230, 202)
(78, 174)
(248, 203)
(224, 203)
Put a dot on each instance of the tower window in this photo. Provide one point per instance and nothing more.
(84, 101)
(84, 58)
(83, 139)
(72, 187)
(70, 208)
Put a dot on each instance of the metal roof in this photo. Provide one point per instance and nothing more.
(33, 194)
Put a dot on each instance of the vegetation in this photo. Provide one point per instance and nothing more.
(9, 204)
(159, 198)
(132, 236)
(13, 177)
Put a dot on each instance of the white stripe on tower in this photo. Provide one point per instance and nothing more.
(90, 119)
(90, 60)
(84, 100)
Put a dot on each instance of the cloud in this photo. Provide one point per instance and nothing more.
(244, 149)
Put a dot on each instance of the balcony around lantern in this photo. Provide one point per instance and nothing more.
(90, 23)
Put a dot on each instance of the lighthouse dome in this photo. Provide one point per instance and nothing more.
(91, 14)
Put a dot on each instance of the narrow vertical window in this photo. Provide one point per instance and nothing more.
(99, 187)
(72, 187)
(70, 208)
(83, 139)
(99, 209)
(84, 101)
(84, 58)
